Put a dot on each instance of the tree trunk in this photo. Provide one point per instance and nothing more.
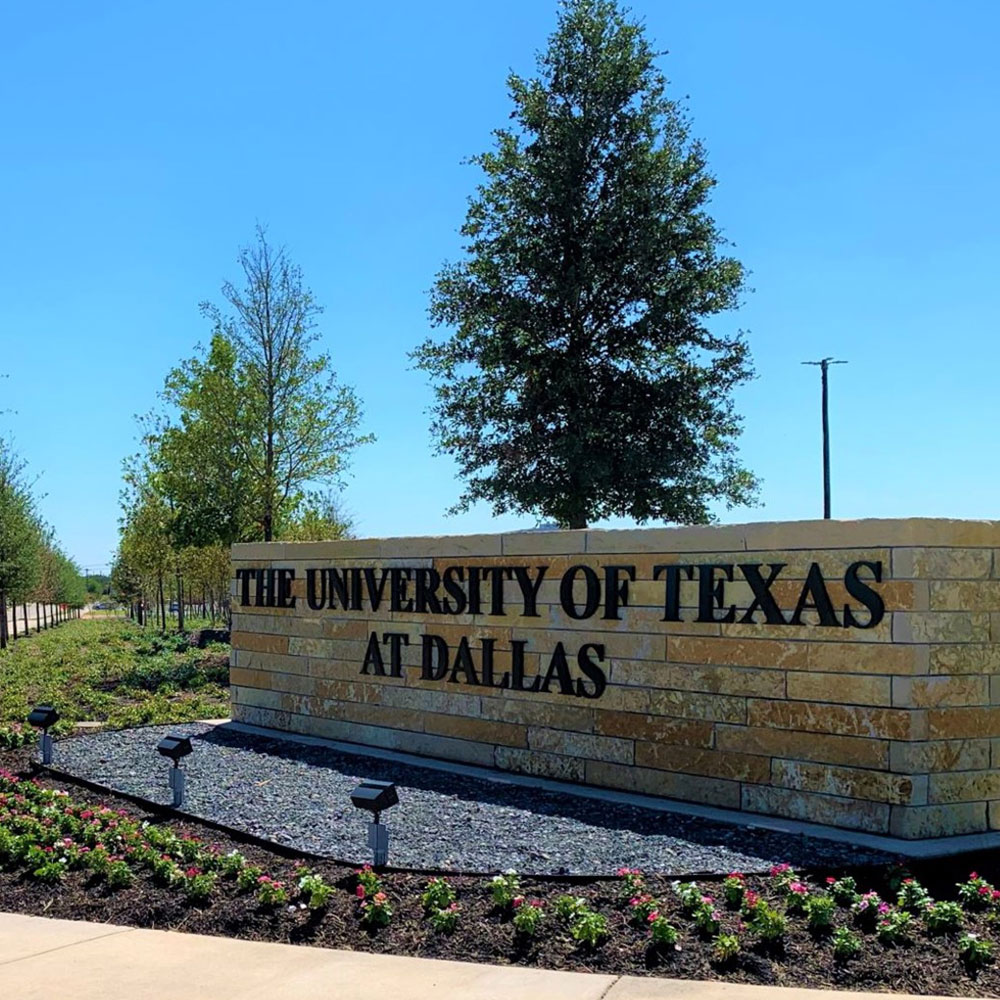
(163, 606)
(3, 620)
(180, 603)
(27, 628)
(13, 620)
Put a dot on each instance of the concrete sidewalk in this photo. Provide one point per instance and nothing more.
(76, 960)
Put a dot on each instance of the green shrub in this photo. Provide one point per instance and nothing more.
(846, 944)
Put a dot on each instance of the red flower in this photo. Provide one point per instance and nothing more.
(517, 901)
(973, 876)
(537, 903)
(830, 880)
(360, 892)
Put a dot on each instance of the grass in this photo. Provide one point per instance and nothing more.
(114, 672)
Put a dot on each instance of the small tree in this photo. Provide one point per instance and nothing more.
(582, 380)
(20, 536)
(285, 417)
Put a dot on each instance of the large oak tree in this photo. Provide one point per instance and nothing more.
(582, 379)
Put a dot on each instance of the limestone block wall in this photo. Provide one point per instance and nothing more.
(846, 673)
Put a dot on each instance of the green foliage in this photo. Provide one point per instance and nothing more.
(844, 890)
(725, 948)
(767, 923)
(976, 893)
(846, 944)
(112, 671)
(444, 920)
(943, 917)
(819, 910)
(503, 888)
(895, 927)
(584, 378)
(912, 896)
(315, 891)
(257, 418)
(567, 907)
(662, 932)
(975, 951)
(589, 927)
(527, 916)
(438, 895)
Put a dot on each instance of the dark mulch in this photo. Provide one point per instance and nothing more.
(930, 965)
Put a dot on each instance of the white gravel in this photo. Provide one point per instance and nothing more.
(298, 795)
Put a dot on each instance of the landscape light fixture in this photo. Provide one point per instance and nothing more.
(176, 747)
(374, 796)
(43, 717)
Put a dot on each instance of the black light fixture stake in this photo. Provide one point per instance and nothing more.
(43, 717)
(374, 796)
(176, 747)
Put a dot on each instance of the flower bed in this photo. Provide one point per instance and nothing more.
(63, 854)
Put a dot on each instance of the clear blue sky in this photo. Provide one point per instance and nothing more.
(856, 144)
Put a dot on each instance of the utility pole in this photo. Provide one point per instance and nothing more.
(824, 365)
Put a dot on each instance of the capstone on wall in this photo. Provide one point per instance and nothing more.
(845, 673)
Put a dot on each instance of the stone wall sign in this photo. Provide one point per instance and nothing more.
(840, 672)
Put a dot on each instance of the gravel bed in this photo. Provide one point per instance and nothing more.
(298, 795)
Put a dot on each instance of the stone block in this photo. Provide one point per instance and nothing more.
(281, 662)
(707, 679)
(543, 765)
(918, 822)
(698, 538)
(523, 711)
(962, 723)
(815, 717)
(865, 658)
(858, 690)
(939, 755)
(941, 691)
(852, 750)
(666, 784)
(963, 786)
(854, 814)
(964, 658)
(582, 745)
(691, 705)
(478, 730)
(540, 543)
(778, 654)
(694, 760)
(260, 642)
(965, 595)
(942, 563)
(940, 626)
(655, 728)
(433, 701)
(811, 631)
(850, 782)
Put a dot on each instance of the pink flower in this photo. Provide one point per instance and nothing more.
(780, 869)
(799, 889)
(264, 880)
(517, 901)
(360, 892)
(454, 906)
(655, 915)
(830, 880)
(191, 872)
(537, 903)
(984, 890)
(973, 876)
(380, 897)
(883, 907)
